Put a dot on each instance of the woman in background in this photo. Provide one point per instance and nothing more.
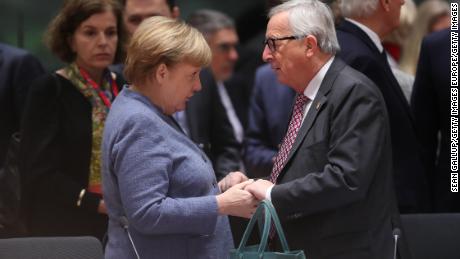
(432, 15)
(64, 119)
(158, 184)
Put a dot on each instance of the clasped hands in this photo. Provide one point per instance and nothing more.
(240, 195)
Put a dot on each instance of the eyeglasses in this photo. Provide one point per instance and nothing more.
(271, 42)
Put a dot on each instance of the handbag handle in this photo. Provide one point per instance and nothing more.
(267, 208)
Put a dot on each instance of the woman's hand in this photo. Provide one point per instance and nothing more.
(231, 179)
(237, 202)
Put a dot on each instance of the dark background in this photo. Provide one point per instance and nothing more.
(23, 23)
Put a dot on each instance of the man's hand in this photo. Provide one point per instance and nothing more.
(259, 188)
(231, 179)
(237, 202)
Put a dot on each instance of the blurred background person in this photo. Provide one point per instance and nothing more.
(158, 183)
(431, 107)
(269, 111)
(17, 69)
(204, 119)
(432, 15)
(219, 31)
(360, 35)
(135, 11)
(64, 120)
(394, 42)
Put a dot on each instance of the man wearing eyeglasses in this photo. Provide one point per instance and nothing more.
(220, 33)
(331, 183)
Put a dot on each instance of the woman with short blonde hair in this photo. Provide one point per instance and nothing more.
(158, 184)
(164, 41)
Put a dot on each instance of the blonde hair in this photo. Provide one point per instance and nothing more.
(163, 40)
(406, 21)
(427, 14)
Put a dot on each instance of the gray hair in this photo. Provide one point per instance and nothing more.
(358, 8)
(209, 22)
(311, 17)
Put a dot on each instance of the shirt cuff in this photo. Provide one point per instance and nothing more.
(268, 193)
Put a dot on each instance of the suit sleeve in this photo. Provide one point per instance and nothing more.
(258, 152)
(425, 109)
(27, 69)
(226, 151)
(358, 136)
(45, 182)
(142, 164)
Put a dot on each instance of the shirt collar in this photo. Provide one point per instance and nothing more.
(315, 83)
(374, 37)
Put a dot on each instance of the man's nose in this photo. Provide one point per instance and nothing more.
(267, 54)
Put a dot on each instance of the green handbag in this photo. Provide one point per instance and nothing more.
(260, 251)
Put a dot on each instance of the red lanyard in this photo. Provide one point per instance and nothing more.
(96, 87)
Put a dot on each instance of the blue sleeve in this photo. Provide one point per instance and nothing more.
(258, 150)
(142, 161)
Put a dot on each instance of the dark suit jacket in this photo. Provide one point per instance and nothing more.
(55, 153)
(335, 193)
(210, 128)
(431, 108)
(17, 69)
(358, 51)
(271, 105)
(240, 94)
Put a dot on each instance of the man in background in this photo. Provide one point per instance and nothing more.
(360, 34)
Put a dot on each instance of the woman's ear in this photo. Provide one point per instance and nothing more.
(161, 73)
(71, 44)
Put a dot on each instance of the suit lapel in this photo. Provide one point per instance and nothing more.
(351, 28)
(318, 103)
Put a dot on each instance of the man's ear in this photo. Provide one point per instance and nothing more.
(385, 5)
(175, 13)
(311, 45)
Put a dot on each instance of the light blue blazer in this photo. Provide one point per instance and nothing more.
(160, 184)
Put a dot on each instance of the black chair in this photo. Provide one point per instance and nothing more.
(432, 236)
(82, 247)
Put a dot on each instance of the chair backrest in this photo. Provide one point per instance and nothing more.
(82, 247)
(432, 236)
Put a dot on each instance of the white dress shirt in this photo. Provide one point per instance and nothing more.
(372, 35)
(230, 110)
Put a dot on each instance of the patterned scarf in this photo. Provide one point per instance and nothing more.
(99, 114)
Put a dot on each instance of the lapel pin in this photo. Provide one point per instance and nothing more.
(318, 105)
